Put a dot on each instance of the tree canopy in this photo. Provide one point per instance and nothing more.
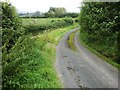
(56, 12)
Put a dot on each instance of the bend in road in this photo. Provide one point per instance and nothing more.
(82, 69)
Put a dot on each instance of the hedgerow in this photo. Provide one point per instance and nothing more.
(27, 62)
(99, 24)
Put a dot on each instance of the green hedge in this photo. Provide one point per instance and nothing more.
(99, 24)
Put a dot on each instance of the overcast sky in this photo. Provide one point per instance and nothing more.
(44, 5)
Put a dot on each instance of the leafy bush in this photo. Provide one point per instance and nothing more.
(11, 32)
(100, 26)
(11, 26)
(16, 57)
(76, 20)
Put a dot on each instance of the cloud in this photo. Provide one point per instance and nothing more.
(44, 5)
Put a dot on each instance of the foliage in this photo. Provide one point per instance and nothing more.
(76, 20)
(100, 26)
(32, 61)
(11, 26)
(9, 16)
(33, 27)
(29, 65)
(73, 15)
(53, 12)
(27, 61)
(11, 31)
(59, 13)
(56, 12)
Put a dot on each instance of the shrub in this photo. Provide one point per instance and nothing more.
(11, 32)
(11, 25)
(99, 24)
(76, 20)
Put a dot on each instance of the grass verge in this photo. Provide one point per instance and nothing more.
(49, 40)
(32, 61)
(109, 60)
(71, 41)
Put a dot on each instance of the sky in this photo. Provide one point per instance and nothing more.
(44, 5)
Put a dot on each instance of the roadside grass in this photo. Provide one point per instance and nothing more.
(109, 60)
(33, 59)
(49, 41)
(71, 41)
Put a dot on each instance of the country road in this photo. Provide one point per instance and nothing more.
(81, 68)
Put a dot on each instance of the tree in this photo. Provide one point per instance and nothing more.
(56, 12)
(37, 14)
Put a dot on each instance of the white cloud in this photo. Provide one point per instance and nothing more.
(44, 5)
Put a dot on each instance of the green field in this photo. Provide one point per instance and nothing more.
(38, 21)
(40, 24)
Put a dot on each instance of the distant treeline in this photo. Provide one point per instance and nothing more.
(52, 13)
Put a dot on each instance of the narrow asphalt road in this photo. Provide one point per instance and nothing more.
(81, 68)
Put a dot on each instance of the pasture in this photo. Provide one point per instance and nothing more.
(32, 25)
(38, 21)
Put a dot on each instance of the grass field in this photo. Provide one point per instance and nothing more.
(38, 21)
(40, 24)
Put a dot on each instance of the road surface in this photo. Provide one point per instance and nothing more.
(81, 68)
